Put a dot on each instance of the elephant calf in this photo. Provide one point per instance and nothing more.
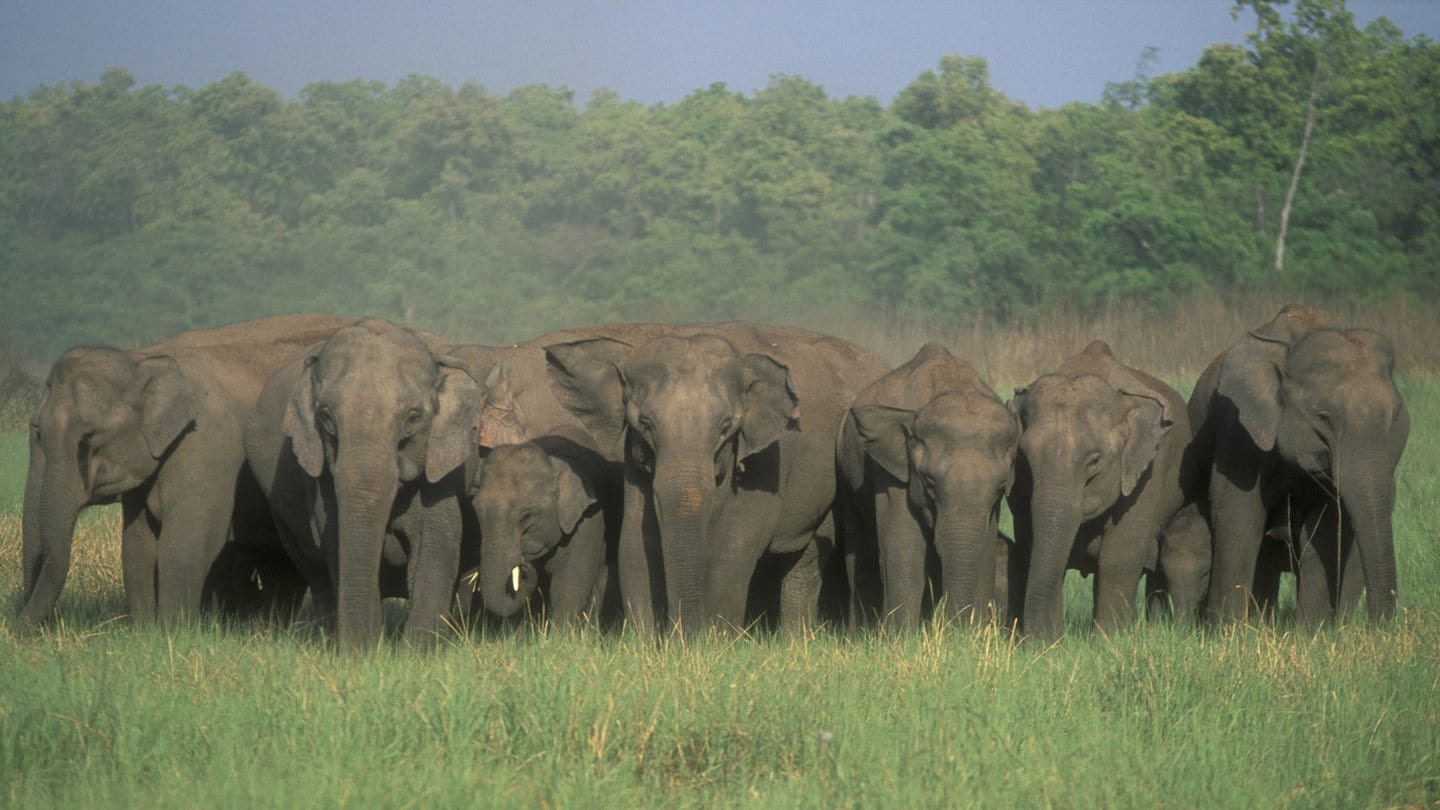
(548, 511)
(933, 448)
(1102, 469)
(1292, 418)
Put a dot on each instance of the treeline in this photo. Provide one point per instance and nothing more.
(129, 213)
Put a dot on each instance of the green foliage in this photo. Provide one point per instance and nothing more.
(128, 213)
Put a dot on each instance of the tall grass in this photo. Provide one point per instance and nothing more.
(97, 712)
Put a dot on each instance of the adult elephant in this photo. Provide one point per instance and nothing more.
(933, 447)
(361, 446)
(1294, 418)
(718, 469)
(159, 430)
(1102, 469)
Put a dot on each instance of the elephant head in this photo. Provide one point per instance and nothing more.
(688, 414)
(1324, 400)
(374, 410)
(528, 501)
(1089, 432)
(108, 420)
(956, 456)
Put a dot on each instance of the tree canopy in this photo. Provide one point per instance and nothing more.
(128, 213)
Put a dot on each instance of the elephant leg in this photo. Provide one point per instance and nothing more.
(903, 553)
(1123, 552)
(189, 544)
(574, 573)
(1352, 579)
(800, 587)
(1317, 571)
(139, 547)
(862, 561)
(727, 581)
(1238, 517)
(433, 570)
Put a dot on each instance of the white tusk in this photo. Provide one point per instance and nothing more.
(515, 579)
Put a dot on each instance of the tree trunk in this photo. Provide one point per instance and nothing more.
(1299, 166)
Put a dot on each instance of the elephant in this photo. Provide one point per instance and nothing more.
(933, 447)
(718, 472)
(548, 511)
(1300, 428)
(1104, 465)
(159, 430)
(361, 446)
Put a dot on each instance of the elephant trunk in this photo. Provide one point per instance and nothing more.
(365, 489)
(963, 539)
(500, 560)
(683, 497)
(1055, 520)
(1367, 490)
(49, 529)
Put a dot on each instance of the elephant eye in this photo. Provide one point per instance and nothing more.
(1093, 462)
(1324, 418)
(413, 421)
(725, 425)
(326, 421)
(645, 424)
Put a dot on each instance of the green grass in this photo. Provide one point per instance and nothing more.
(96, 712)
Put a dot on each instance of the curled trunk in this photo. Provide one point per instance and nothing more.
(500, 558)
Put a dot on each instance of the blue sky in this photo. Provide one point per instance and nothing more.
(1042, 52)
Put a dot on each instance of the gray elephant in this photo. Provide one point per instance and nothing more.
(548, 511)
(1103, 468)
(1293, 417)
(159, 430)
(728, 433)
(361, 446)
(934, 448)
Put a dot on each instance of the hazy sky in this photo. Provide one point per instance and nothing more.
(1043, 52)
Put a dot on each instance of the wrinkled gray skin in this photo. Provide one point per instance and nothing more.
(549, 507)
(934, 448)
(1102, 469)
(361, 446)
(1292, 414)
(159, 430)
(517, 404)
(729, 437)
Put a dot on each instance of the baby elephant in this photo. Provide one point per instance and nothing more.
(1104, 466)
(933, 448)
(546, 509)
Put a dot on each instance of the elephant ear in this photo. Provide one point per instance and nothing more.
(452, 430)
(169, 403)
(886, 433)
(771, 406)
(498, 421)
(1147, 422)
(300, 418)
(574, 494)
(1253, 369)
(1016, 405)
(586, 377)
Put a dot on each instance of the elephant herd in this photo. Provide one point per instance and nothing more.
(706, 476)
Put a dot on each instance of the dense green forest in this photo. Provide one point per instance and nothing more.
(1308, 158)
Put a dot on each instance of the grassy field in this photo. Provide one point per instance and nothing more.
(94, 712)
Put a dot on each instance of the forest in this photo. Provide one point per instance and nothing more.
(1306, 159)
